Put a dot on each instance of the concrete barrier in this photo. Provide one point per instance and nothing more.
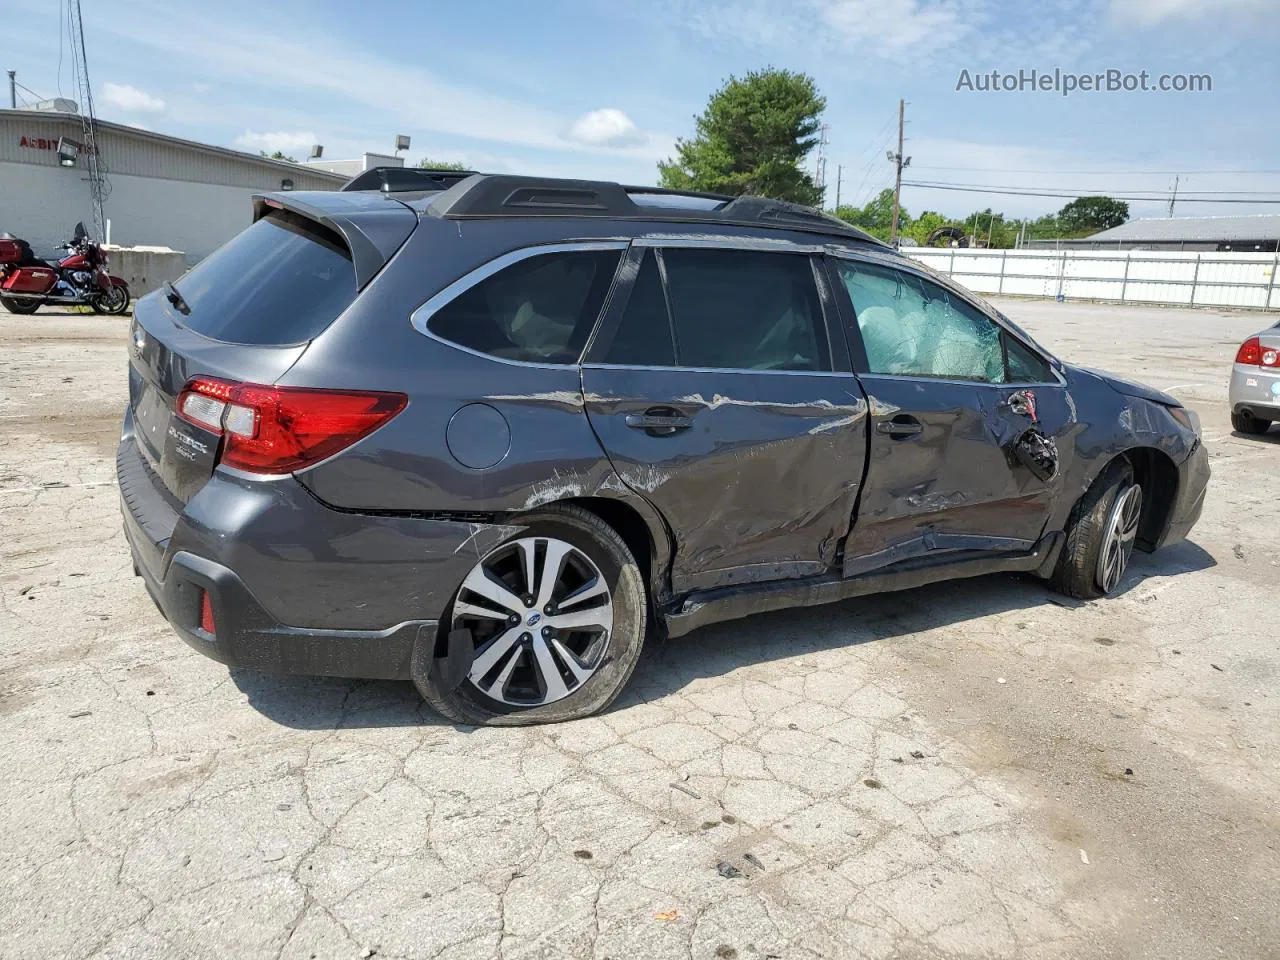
(145, 268)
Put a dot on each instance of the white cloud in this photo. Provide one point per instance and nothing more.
(606, 127)
(280, 63)
(894, 27)
(124, 97)
(1149, 12)
(284, 141)
(873, 29)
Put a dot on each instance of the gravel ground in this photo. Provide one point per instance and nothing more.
(971, 769)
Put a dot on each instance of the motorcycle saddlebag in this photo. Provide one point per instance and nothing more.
(30, 280)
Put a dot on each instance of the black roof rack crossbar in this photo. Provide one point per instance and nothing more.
(503, 195)
(406, 179)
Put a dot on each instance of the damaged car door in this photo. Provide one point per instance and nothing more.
(719, 395)
(968, 424)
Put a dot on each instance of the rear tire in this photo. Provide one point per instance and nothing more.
(602, 558)
(1091, 530)
(1245, 422)
(20, 307)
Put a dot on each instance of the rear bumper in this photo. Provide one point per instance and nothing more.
(247, 636)
(295, 586)
(1255, 390)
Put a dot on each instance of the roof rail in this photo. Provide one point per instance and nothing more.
(406, 179)
(502, 195)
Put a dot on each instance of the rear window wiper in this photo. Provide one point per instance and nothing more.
(174, 297)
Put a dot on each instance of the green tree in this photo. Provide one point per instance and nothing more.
(877, 216)
(929, 221)
(278, 155)
(427, 163)
(1091, 214)
(752, 138)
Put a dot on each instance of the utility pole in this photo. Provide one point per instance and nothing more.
(98, 186)
(820, 168)
(839, 180)
(1174, 199)
(899, 161)
(13, 89)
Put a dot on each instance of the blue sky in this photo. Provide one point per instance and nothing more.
(602, 89)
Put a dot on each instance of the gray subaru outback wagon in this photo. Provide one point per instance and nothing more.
(491, 433)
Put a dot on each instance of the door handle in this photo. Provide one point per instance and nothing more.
(659, 421)
(900, 428)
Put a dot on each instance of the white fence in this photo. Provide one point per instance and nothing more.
(1244, 280)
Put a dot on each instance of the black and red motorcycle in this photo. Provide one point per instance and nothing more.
(79, 279)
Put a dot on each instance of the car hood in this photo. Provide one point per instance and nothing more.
(1131, 388)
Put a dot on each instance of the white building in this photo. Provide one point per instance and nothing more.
(164, 191)
(349, 168)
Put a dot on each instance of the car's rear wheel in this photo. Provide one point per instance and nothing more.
(1101, 532)
(1245, 422)
(22, 307)
(554, 618)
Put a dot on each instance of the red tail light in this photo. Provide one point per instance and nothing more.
(1250, 352)
(283, 429)
(206, 615)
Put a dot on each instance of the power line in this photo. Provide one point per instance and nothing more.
(1100, 173)
(1085, 190)
(1159, 198)
(879, 144)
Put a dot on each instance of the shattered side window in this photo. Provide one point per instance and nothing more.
(912, 327)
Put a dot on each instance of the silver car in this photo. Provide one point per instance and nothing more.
(1255, 382)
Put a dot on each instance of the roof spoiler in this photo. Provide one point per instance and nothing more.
(372, 228)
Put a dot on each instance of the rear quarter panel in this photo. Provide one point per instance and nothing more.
(548, 453)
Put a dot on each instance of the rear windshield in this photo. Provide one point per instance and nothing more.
(281, 281)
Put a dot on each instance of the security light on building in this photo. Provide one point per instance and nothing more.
(68, 152)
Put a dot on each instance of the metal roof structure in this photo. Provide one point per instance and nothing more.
(133, 150)
(1234, 229)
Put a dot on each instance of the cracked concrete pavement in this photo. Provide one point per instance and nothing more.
(976, 769)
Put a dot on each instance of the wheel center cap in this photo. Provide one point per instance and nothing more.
(533, 619)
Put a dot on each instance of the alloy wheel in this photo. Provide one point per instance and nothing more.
(541, 615)
(1119, 534)
(113, 301)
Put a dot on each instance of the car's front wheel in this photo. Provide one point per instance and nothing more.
(548, 626)
(1101, 532)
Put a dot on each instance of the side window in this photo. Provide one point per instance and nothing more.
(1025, 366)
(538, 310)
(745, 310)
(913, 327)
(643, 337)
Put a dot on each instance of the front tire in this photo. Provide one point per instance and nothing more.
(1246, 422)
(557, 618)
(21, 307)
(113, 303)
(1101, 532)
